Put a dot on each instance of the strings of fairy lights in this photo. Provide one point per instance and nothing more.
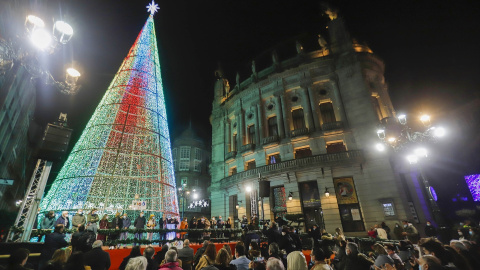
(124, 150)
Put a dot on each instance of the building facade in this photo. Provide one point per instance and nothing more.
(307, 125)
(191, 160)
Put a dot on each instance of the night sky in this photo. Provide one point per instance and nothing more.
(430, 49)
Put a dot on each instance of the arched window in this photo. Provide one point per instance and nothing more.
(327, 112)
(272, 126)
(298, 119)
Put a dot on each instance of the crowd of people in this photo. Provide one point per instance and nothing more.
(274, 247)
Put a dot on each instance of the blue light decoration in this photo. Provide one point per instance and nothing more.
(123, 154)
(433, 193)
(473, 182)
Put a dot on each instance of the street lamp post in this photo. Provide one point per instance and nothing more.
(398, 136)
(184, 191)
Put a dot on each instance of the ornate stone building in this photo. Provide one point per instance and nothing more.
(307, 125)
(191, 160)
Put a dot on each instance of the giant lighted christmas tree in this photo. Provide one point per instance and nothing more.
(124, 152)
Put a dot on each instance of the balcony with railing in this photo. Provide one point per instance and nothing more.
(247, 147)
(230, 155)
(332, 126)
(271, 139)
(299, 132)
(353, 156)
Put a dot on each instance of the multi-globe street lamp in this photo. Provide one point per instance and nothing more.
(34, 43)
(395, 134)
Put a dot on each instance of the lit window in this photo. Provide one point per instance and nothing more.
(250, 165)
(388, 209)
(273, 159)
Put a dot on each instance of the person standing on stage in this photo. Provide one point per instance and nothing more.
(48, 222)
(64, 220)
(78, 219)
(103, 226)
(151, 225)
(160, 226)
(92, 219)
(139, 224)
(126, 222)
(183, 226)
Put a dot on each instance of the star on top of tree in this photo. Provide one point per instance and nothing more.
(152, 7)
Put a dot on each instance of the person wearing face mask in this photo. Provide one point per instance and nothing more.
(139, 224)
(429, 262)
(397, 232)
(92, 219)
(474, 236)
(460, 235)
(126, 222)
(78, 219)
(410, 232)
(430, 231)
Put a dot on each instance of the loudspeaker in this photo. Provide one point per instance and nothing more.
(264, 189)
(55, 142)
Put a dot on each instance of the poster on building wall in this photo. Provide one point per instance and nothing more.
(345, 190)
(309, 193)
(355, 214)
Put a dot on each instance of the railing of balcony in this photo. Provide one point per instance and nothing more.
(270, 139)
(324, 159)
(247, 147)
(230, 155)
(299, 132)
(332, 126)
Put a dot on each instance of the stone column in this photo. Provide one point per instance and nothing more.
(260, 126)
(307, 110)
(314, 106)
(286, 124)
(278, 112)
(241, 128)
(228, 135)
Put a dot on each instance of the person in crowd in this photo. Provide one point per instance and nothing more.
(435, 248)
(462, 247)
(356, 260)
(272, 233)
(208, 257)
(405, 250)
(221, 226)
(139, 224)
(92, 219)
(275, 264)
(296, 260)
(399, 265)
(314, 233)
(287, 243)
(296, 238)
(96, 258)
(254, 251)
(151, 225)
(339, 236)
(318, 257)
(259, 265)
(251, 236)
(148, 253)
(372, 233)
(200, 252)
(241, 262)
(103, 225)
(207, 226)
(274, 252)
(78, 219)
(228, 225)
(398, 232)
(76, 261)
(340, 255)
(327, 243)
(64, 220)
(48, 222)
(222, 260)
(381, 233)
(186, 255)
(180, 263)
(458, 260)
(382, 256)
(160, 256)
(17, 260)
(126, 223)
(387, 229)
(76, 237)
(117, 225)
(86, 239)
(229, 251)
(192, 224)
(183, 226)
(429, 262)
(135, 252)
(53, 242)
(170, 261)
(137, 263)
(430, 231)
(244, 222)
(410, 232)
(59, 259)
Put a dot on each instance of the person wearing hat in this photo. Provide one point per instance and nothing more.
(151, 225)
